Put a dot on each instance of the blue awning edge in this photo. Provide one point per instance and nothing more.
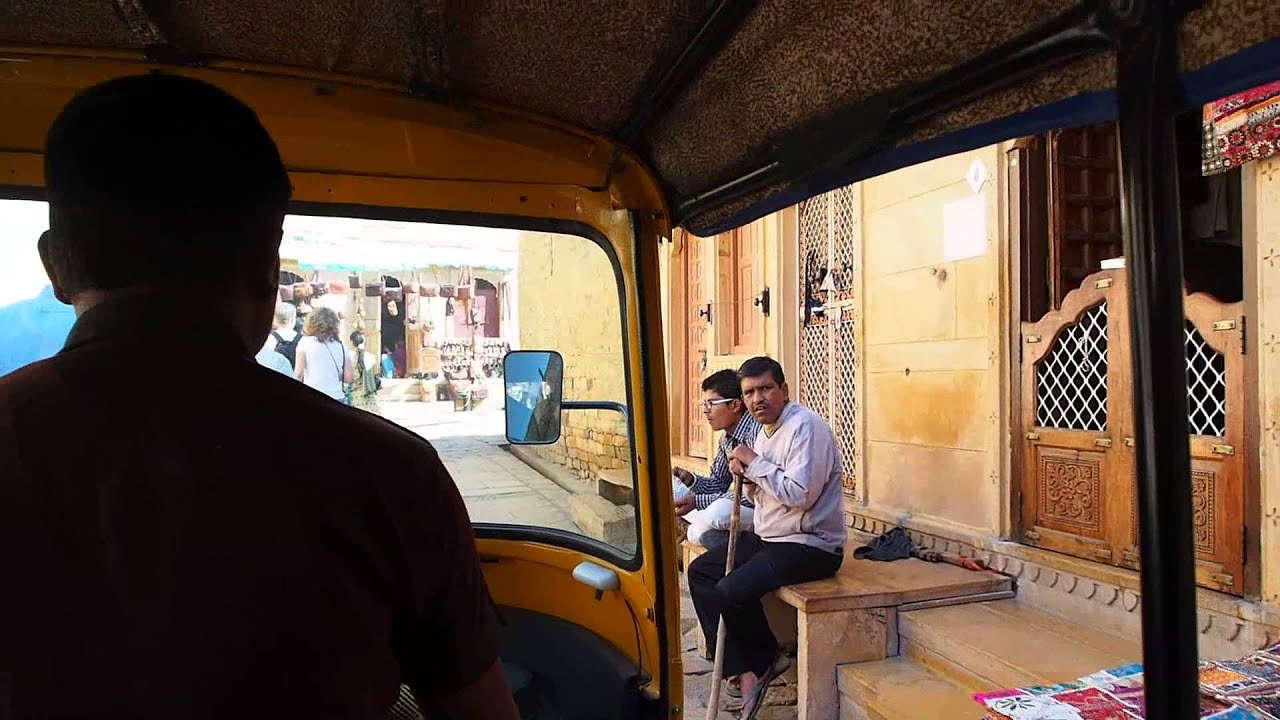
(1244, 69)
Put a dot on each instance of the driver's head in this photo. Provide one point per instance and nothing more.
(164, 182)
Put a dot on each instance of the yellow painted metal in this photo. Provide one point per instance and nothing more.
(351, 142)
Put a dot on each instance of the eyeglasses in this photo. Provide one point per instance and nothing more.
(706, 405)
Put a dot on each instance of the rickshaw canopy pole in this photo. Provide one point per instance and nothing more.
(1149, 93)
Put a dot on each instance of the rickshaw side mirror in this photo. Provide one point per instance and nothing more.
(534, 381)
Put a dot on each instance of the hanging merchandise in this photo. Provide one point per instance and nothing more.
(429, 290)
(353, 281)
(448, 291)
(466, 284)
(448, 308)
(373, 290)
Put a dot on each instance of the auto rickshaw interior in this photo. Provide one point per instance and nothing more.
(593, 129)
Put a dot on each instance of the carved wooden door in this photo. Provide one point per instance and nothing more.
(1073, 497)
(1215, 356)
(697, 316)
(1078, 492)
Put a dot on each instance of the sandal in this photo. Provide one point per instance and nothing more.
(753, 704)
(733, 688)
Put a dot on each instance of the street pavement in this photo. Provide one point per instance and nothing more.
(497, 486)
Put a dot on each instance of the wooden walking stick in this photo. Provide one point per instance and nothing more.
(713, 703)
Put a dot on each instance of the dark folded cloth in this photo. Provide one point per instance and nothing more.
(892, 545)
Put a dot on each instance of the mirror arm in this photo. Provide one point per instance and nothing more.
(594, 405)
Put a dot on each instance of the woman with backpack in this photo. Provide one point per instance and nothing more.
(323, 362)
(284, 337)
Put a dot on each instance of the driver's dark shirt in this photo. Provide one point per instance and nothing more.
(187, 534)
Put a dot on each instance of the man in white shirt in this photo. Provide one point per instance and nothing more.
(792, 475)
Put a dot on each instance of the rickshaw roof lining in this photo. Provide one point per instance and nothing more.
(790, 63)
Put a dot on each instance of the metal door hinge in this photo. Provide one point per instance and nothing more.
(1224, 325)
(1223, 579)
(1102, 442)
(1104, 283)
(1103, 554)
(1032, 535)
(705, 312)
(1223, 450)
(1128, 442)
(1032, 338)
(1131, 556)
(1033, 436)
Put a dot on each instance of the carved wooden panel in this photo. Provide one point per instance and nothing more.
(1204, 511)
(1071, 492)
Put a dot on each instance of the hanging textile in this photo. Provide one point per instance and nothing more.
(1241, 128)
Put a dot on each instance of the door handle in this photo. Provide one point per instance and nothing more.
(597, 577)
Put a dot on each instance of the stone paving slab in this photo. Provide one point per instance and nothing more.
(496, 486)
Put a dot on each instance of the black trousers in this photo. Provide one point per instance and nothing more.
(759, 567)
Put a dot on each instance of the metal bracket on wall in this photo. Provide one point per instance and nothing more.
(706, 313)
(762, 301)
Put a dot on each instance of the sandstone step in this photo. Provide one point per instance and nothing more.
(901, 689)
(616, 486)
(987, 646)
(601, 520)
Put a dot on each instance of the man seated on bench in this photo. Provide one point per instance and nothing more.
(792, 475)
(709, 505)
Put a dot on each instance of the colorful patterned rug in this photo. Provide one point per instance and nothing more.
(1241, 128)
(1229, 690)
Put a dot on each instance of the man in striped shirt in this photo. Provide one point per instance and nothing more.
(709, 507)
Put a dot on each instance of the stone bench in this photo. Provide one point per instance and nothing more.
(853, 617)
